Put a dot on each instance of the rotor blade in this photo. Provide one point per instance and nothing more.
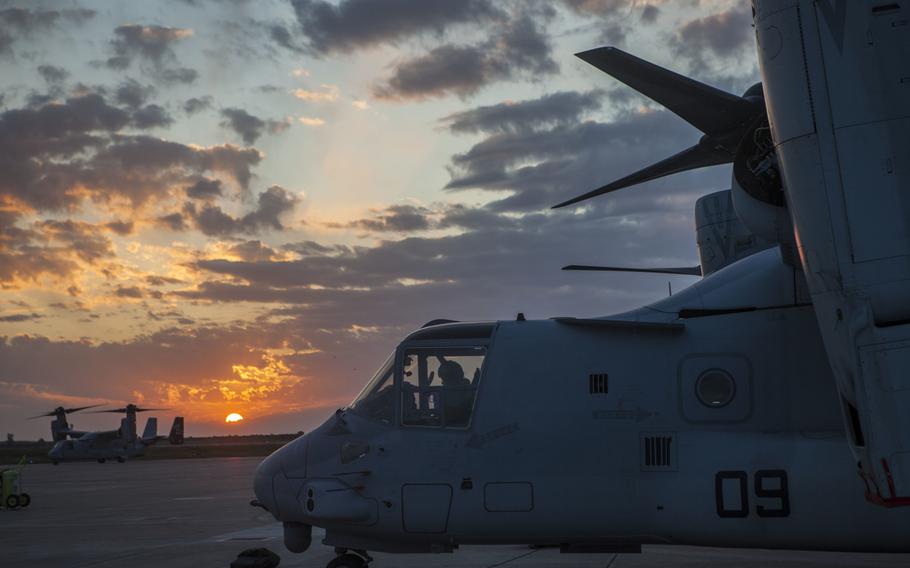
(42, 415)
(147, 409)
(685, 270)
(117, 410)
(71, 410)
(65, 410)
(691, 158)
(706, 108)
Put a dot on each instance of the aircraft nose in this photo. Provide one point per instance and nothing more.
(263, 482)
(278, 478)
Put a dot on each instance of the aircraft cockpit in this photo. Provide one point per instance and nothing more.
(430, 383)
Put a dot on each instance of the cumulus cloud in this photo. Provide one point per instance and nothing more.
(520, 50)
(272, 205)
(56, 155)
(250, 127)
(55, 249)
(356, 24)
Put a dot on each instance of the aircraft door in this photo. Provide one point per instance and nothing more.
(438, 392)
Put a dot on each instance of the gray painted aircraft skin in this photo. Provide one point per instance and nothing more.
(734, 413)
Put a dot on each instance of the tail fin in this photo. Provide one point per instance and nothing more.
(151, 429)
(176, 435)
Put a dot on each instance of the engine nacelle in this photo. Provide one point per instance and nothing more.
(721, 234)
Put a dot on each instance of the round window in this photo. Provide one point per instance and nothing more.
(715, 388)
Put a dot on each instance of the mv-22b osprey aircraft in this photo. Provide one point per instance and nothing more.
(735, 413)
(120, 444)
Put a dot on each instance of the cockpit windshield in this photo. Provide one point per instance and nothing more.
(439, 385)
(377, 399)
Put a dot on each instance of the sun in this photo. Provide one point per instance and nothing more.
(233, 417)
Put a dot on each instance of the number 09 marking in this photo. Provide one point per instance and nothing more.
(781, 493)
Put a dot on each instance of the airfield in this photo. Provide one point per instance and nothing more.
(196, 513)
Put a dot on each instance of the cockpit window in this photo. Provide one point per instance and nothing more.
(439, 385)
(377, 399)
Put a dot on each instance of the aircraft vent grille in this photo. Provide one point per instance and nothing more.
(658, 451)
(597, 383)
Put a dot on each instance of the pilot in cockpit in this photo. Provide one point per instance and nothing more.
(457, 401)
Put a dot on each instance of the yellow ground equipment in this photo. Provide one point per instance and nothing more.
(11, 489)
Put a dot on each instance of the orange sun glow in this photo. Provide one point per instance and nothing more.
(233, 417)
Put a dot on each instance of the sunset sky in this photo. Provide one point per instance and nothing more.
(225, 206)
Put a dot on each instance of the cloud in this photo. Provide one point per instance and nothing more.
(53, 75)
(550, 159)
(395, 218)
(205, 188)
(133, 292)
(180, 75)
(195, 371)
(522, 49)
(56, 249)
(250, 127)
(273, 204)
(283, 37)
(18, 318)
(197, 104)
(152, 45)
(151, 116)
(325, 94)
(173, 221)
(310, 121)
(133, 94)
(17, 23)
(357, 24)
(122, 228)
(724, 35)
(56, 155)
(560, 108)
(253, 251)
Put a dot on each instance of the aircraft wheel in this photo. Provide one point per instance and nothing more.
(55, 462)
(24, 500)
(12, 501)
(121, 459)
(347, 561)
(101, 460)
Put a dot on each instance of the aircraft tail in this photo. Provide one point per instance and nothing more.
(151, 429)
(176, 435)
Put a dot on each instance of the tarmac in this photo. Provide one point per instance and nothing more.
(196, 513)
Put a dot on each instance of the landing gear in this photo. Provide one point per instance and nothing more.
(354, 559)
(12, 501)
(121, 459)
(56, 462)
(101, 460)
(24, 500)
